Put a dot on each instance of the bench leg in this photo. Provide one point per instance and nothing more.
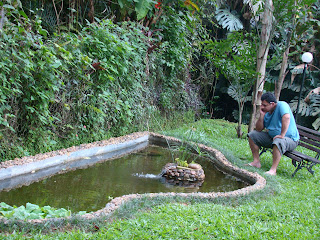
(264, 150)
(297, 169)
(301, 164)
(309, 167)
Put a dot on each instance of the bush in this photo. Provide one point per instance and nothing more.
(74, 88)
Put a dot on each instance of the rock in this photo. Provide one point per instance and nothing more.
(201, 177)
(185, 177)
(195, 166)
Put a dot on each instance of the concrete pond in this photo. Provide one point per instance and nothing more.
(18, 173)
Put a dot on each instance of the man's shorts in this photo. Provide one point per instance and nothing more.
(262, 139)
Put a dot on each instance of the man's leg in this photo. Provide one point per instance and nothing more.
(276, 156)
(255, 154)
(280, 146)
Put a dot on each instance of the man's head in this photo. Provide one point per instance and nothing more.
(268, 102)
(269, 97)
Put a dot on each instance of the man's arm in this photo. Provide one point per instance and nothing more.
(285, 121)
(260, 124)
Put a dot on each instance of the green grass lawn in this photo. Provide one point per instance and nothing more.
(288, 208)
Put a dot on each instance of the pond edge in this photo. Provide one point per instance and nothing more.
(134, 142)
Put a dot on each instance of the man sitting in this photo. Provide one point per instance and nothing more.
(281, 131)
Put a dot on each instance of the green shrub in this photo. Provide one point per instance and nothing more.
(69, 89)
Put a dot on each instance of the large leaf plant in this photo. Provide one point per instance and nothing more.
(235, 58)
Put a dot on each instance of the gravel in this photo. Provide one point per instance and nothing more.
(42, 156)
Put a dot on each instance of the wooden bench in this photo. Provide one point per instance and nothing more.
(309, 139)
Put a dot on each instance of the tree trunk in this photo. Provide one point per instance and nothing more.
(239, 129)
(91, 11)
(2, 16)
(72, 7)
(284, 64)
(262, 56)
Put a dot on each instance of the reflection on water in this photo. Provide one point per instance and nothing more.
(90, 189)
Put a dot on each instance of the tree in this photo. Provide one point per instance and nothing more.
(234, 58)
(294, 30)
(262, 57)
(294, 22)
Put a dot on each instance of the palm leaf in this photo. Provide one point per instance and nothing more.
(316, 124)
(304, 108)
(315, 104)
(255, 6)
(238, 93)
(228, 20)
(241, 47)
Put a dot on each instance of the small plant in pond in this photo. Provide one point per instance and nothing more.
(33, 211)
(182, 173)
(186, 148)
(182, 163)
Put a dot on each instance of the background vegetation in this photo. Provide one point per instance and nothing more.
(64, 88)
(80, 71)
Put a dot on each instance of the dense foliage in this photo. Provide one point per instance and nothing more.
(108, 79)
(80, 71)
(234, 58)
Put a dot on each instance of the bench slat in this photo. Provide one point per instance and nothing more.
(309, 135)
(314, 132)
(298, 156)
(302, 144)
(309, 141)
(292, 156)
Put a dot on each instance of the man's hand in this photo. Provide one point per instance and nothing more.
(278, 136)
(259, 123)
(262, 113)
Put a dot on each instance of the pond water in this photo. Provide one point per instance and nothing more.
(91, 188)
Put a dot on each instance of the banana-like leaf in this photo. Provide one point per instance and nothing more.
(311, 93)
(142, 7)
(237, 93)
(304, 108)
(227, 20)
(316, 124)
(315, 104)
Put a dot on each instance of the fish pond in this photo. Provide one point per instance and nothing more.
(91, 188)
